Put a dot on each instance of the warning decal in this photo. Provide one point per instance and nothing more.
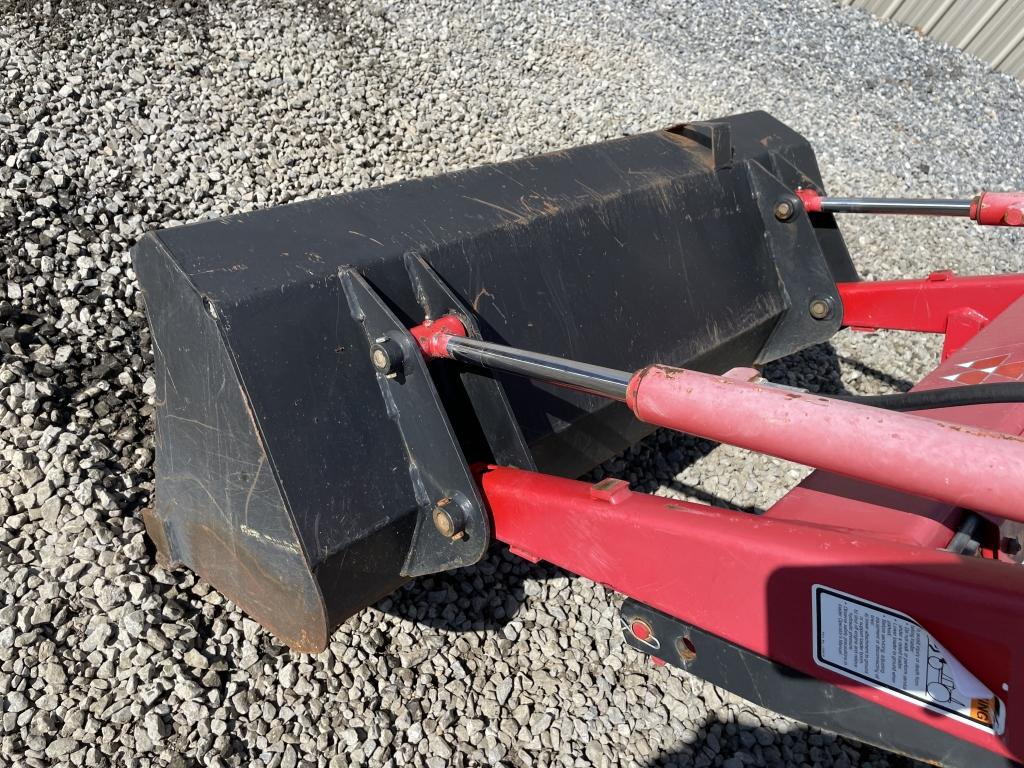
(888, 650)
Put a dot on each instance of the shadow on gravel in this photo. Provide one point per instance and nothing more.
(818, 369)
(901, 385)
(486, 595)
(815, 368)
(735, 745)
(696, 448)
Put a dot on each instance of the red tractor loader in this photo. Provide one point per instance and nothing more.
(356, 391)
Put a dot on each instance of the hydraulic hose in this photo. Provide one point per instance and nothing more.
(951, 397)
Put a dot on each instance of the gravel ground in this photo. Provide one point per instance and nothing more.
(114, 120)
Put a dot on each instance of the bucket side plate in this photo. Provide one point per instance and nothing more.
(218, 508)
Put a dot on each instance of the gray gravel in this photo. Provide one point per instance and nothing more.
(116, 120)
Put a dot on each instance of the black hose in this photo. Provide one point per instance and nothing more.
(947, 397)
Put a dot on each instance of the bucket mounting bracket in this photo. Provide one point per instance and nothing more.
(483, 388)
(452, 529)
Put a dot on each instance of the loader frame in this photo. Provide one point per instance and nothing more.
(737, 598)
(727, 595)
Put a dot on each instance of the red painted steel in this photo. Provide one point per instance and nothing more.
(941, 303)
(1001, 209)
(969, 467)
(845, 504)
(994, 355)
(748, 579)
(432, 334)
(810, 199)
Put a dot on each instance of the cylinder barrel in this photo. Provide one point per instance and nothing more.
(966, 466)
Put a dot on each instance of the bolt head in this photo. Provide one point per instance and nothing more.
(448, 520)
(380, 359)
(784, 210)
(386, 356)
(820, 309)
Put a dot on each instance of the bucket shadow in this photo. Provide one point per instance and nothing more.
(486, 595)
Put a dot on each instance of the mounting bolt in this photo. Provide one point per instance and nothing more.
(784, 209)
(448, 519)
(820, 308)
(386, 356)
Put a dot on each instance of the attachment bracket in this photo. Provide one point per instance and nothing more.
(437, 466)
(815, 307)
(483, 388)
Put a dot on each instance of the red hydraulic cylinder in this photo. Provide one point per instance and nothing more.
(1000, 209)
(961, 465)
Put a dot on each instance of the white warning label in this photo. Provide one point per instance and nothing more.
(887, 649)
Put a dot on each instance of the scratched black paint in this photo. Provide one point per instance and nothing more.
(281, 477)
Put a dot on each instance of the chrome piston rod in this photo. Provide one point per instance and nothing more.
(898, 205)
(999, 209)
(970, 467)
(595, 379)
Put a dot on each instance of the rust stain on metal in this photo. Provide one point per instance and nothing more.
(975, 432)
(252, 418)
(669, 371)
(242, 578)
(158, 535)
(517, 217)
(700, 152)
(546, 205)
(480, 294)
